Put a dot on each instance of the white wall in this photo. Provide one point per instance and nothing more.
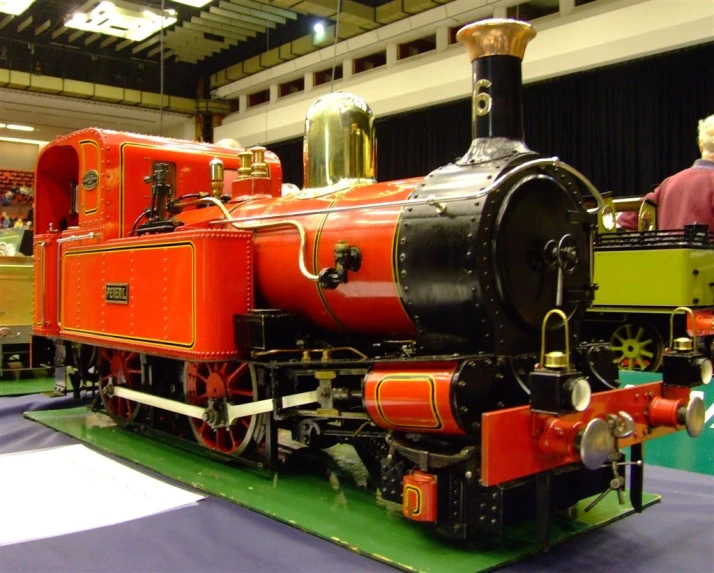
(185, 130)
(591, 36)
(20, 156)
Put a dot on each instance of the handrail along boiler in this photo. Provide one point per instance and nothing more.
(433, 323)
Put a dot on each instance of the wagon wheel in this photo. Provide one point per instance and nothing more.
(637, 346)
(204, 381)
(121, 368)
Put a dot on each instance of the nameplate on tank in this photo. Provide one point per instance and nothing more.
(117, 293)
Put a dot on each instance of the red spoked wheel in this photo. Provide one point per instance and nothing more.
(120, 368)
(235, 381)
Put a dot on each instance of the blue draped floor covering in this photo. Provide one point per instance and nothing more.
(216, 536)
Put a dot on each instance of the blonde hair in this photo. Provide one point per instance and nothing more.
(706, 135)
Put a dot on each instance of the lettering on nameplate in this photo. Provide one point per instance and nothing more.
(117, 293)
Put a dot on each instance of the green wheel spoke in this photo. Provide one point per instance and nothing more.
(637, 346)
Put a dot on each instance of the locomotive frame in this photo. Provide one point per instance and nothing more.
(408, 318)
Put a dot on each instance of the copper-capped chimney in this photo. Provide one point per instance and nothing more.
(496, 48)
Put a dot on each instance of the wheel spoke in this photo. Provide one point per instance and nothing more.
(237, 374)
(122, 369)
(203, 398)
(237, 392)
(234, 381)
(638, 346)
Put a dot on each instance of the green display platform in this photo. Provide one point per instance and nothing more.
(679, 451)
(317, 493)
(25, 387)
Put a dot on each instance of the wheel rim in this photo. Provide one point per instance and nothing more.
(121, 368)
(637, 347)
(236, 382)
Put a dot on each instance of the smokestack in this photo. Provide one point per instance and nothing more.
(496, 48)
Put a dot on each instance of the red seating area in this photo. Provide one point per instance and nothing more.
(12, 180)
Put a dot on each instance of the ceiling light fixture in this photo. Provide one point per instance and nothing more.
(20, 140)
(14, 7)
(122, 19)
(319, 30)
(16, 127)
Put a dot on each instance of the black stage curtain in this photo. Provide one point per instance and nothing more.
(290, 154)
(625, 127)
(415, 143)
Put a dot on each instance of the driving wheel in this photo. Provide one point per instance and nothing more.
(119, 368)
(234, 381)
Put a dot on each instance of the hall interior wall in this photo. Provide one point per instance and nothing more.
(16, 155)
(592, 36)
(626, 127)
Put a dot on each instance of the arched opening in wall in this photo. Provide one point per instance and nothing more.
(325, 76)
(534, 9)
(366, 63)
(258, 98)
(292, 87)
(416, 47)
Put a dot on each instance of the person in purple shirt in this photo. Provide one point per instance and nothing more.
(687, 197)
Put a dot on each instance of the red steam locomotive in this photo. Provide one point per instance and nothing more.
(409, 318)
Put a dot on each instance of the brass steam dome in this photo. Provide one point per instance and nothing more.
(338, 149)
